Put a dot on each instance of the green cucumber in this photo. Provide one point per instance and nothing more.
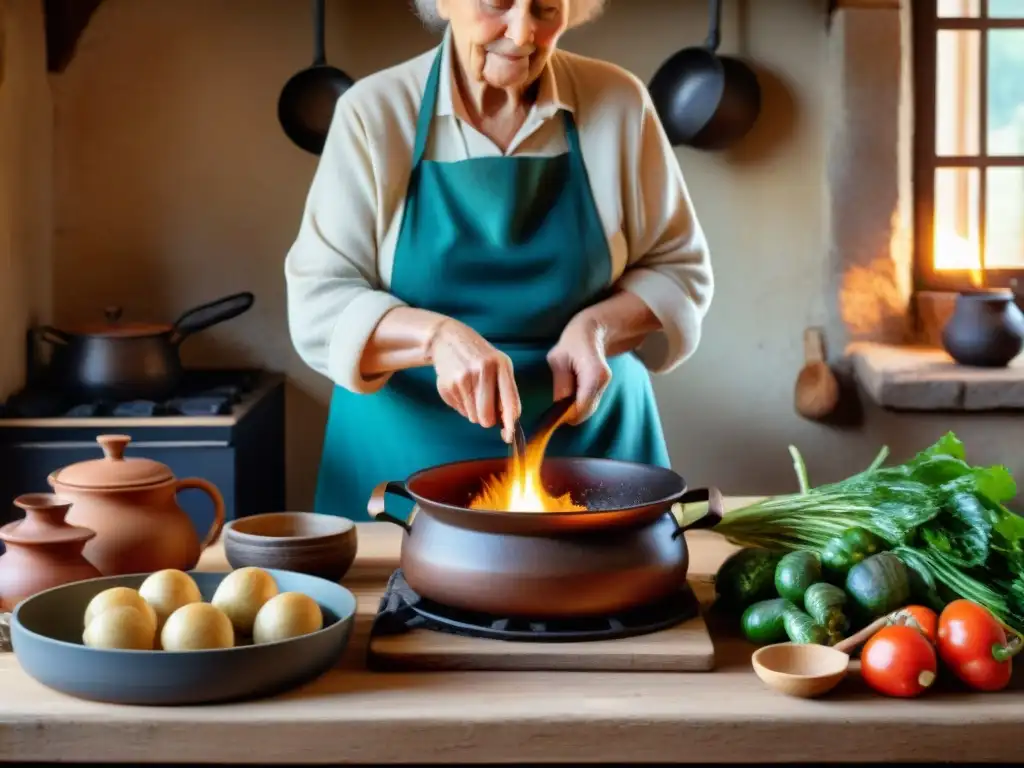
(762, 622)
(746, 577)
(824, 603)
(801, 628)
(849, 548)
(795, 572)
(879, 585)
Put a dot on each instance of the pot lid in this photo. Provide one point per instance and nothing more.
(44, 522)
(114, 326)
(113, 471)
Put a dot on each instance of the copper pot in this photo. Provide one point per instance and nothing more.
(131, 504)
(625, 551)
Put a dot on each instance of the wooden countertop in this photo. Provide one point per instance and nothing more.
(351, 715)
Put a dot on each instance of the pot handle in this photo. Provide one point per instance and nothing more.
(51, 335)
(375, 507)
(218, 505)
(716, 509)
(202, 317)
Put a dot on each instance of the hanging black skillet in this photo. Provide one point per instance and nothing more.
(704, 100)
(307, 101)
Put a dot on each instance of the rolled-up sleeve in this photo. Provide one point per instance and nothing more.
(669, 264)
(335, 298)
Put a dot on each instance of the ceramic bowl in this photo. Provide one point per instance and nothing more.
(304, 542)
(46, 633)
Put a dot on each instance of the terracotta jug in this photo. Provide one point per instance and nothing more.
(131, 504)
(43, 550)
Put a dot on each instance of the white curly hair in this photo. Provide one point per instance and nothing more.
(581, 11)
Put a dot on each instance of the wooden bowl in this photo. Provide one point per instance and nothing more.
(46, 634)
(802, 670)
(304, 542)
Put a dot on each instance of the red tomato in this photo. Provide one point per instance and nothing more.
(973, 645)
(898, 661)
(925, 619)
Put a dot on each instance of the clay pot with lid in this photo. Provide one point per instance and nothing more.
(43, 550)
(131, 504)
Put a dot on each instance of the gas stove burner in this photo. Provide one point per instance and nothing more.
(203, 392)
(402, 610)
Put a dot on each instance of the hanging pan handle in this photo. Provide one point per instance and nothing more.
(375, 507)
(319, 46)
(714, 38)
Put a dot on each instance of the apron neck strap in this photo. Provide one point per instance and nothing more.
(427, 109)
(429, 106)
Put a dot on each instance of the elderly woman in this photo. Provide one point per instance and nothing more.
(493, 225)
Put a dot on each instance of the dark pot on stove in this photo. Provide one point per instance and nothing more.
(119, 361)
(625, 551)
(986, 329)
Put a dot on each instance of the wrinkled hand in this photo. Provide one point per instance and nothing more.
(474, 378)
(579, 365)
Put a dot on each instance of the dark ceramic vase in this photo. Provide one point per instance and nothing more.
(986, 329)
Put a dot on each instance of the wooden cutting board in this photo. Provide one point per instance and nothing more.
(686, 647)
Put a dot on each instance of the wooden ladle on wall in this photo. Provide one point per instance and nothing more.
(817, 389)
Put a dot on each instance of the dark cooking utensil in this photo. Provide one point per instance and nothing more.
(626, 550)
(120, 361)
(306, 104)
(986, 329)
(518, 441)
(705, 100)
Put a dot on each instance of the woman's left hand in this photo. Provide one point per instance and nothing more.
(579, 365)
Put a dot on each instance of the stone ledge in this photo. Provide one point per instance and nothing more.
(919, 378)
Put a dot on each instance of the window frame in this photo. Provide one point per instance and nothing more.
(926, 24)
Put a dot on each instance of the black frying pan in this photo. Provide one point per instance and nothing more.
(705, 100)
(307, 102)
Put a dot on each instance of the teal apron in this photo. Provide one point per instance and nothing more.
(513, 247)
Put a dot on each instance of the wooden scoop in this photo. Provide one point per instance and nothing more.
(817, 390)
(809, 670)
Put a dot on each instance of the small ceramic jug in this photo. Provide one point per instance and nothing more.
(986, 329)
(131, 504)
(43, 550)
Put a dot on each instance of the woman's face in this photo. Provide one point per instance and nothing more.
(505, 43)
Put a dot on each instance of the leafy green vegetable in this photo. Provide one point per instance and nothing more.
(942, 517)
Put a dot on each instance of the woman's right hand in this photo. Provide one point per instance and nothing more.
(474, 377)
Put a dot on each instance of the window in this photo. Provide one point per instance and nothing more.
(969, 143)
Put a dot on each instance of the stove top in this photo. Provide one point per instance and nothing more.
(402, 610)
(203, 392)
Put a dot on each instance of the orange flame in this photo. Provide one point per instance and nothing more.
(519, 489)
(956, 253)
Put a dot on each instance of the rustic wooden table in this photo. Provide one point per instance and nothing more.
(351, 715)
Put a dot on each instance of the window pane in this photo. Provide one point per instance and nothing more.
(1006, 9)
(1005, 92)
(1004, 218)
(957, 74)
(956, 218)
(948, 8)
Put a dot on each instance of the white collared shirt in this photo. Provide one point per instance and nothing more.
(339, 269)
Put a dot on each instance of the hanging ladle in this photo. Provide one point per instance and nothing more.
(306, 105)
